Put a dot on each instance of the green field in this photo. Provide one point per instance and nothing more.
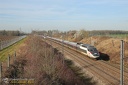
(10, 50)
(118, 35)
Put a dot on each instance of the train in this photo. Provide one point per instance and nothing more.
(85, 49)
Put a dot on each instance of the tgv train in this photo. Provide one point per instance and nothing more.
(86, 49)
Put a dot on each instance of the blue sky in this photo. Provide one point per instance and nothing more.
(63, 15)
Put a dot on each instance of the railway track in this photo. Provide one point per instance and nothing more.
(103, 72)
(94, 69)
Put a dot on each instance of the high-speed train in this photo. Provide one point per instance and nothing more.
(86, 49)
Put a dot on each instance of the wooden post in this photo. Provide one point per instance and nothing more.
(0, 72)
(14, 61)
(8, 61)
(0, 45)
(15, 56)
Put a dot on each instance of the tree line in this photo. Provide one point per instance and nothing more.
(106, 32)
(11, 33)
(82, 32)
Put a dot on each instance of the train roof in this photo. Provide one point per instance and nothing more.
(88, 46)
(79, 43)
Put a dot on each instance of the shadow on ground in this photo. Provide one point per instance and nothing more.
(104, 57)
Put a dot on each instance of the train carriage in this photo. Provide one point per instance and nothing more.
(86, 49)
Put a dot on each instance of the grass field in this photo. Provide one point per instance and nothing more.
(118, 35)
(10, 50)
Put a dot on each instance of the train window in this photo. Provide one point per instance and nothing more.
(90, 49)
(79, 43)
(84, 46)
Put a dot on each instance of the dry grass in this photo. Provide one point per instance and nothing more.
(109, 46)
(46, 65)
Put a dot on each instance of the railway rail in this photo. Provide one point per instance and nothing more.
(103, 72)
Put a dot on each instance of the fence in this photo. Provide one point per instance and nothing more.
(7, 65)
(6, 43)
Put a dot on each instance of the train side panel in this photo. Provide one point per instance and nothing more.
(86, 49)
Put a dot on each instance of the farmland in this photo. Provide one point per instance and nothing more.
(44, 64)
(107, 42)
(49, 61)
(3, 38)
(10, 50)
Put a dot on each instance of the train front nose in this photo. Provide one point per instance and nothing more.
(96, 54)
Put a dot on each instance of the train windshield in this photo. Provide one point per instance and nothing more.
(92, 49)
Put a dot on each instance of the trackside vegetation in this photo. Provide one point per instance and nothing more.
(10, 50)
(46, 65)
